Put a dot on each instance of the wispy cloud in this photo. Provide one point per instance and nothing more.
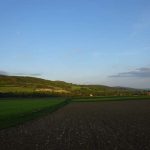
(139, 72)
(27, 74)
(3, 73)
(19, 74)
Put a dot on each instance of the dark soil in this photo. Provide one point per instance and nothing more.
(85, 126)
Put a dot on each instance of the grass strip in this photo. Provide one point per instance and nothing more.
(114, 98)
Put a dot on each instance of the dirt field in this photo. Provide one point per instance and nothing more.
(85, 126)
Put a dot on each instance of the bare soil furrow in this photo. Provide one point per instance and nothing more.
(85, 126)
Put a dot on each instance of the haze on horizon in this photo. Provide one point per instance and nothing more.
(84, 41)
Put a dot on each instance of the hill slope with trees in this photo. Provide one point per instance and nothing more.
(19, 85)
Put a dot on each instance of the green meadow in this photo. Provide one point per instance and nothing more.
(16, 111)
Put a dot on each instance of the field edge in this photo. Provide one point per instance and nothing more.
(35, 115)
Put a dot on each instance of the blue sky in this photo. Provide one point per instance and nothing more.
(83, 41)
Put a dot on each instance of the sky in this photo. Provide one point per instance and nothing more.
(83, 41)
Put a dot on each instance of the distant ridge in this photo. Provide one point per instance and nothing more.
(26, 84)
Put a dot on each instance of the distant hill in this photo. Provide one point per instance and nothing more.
(32, 85)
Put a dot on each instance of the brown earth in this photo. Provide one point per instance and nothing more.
(85, 126)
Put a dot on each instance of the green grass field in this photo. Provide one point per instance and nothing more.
(15, 111)
(110, 98)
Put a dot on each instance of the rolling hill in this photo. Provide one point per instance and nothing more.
(31, 85)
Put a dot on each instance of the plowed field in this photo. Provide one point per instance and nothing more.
(109, 125)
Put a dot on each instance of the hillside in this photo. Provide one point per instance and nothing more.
(28, 85)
